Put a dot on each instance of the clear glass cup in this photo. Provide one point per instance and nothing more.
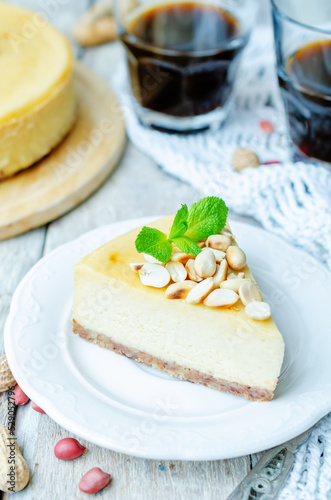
(183, 58)
(302, 30)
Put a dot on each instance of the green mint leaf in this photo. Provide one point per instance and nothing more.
(155, 243)
(206, 217)
(179, 225)
(187, 245)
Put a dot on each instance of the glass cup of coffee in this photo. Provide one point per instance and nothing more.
(183, 58)
(302, 30)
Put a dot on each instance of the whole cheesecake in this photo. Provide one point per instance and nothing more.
(37, 95)
(218, 342)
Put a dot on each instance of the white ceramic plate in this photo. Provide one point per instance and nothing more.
(122, 405)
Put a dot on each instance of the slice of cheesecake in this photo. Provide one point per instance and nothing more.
(212, 343)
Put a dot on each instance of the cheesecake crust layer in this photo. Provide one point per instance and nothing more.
(191, 375)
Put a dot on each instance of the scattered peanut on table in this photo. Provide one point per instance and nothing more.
(19, 396)
(36, 408)
(96, 26)
(243, 158)
(7, 379)
(14, 471)
(94, 481)
(68, 449)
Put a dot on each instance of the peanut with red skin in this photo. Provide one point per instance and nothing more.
(20, 397)
(267, 126)
(94, 481)
(36, 408)
(68, 449)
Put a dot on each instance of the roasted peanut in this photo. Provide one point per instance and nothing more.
(177, 271)
(191, 271)
(219, 242)
(179, 290)
(220, 274)
(205, 264)
(199, 292)
(221, 298)
(249, 292)
(243, 158)
(257, 310)
(154, 275)
(236, 258)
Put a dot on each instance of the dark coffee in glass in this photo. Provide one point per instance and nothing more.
(183, 59)
(182, 66)
(306, 91)
(302, 31)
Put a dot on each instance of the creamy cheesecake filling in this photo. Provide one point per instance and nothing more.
(182, 372)
(218, 343)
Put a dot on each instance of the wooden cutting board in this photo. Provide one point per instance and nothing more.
(72, 171)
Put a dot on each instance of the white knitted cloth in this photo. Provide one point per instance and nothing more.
(292, 200)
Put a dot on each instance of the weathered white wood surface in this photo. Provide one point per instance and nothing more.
(137, 188)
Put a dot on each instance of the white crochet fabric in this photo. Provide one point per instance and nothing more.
(292, 200)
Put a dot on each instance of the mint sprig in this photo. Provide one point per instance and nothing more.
(155, 243)
(205, 217)
(187, 245)
(180, 224)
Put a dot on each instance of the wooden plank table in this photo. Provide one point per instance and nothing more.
(137, 188)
